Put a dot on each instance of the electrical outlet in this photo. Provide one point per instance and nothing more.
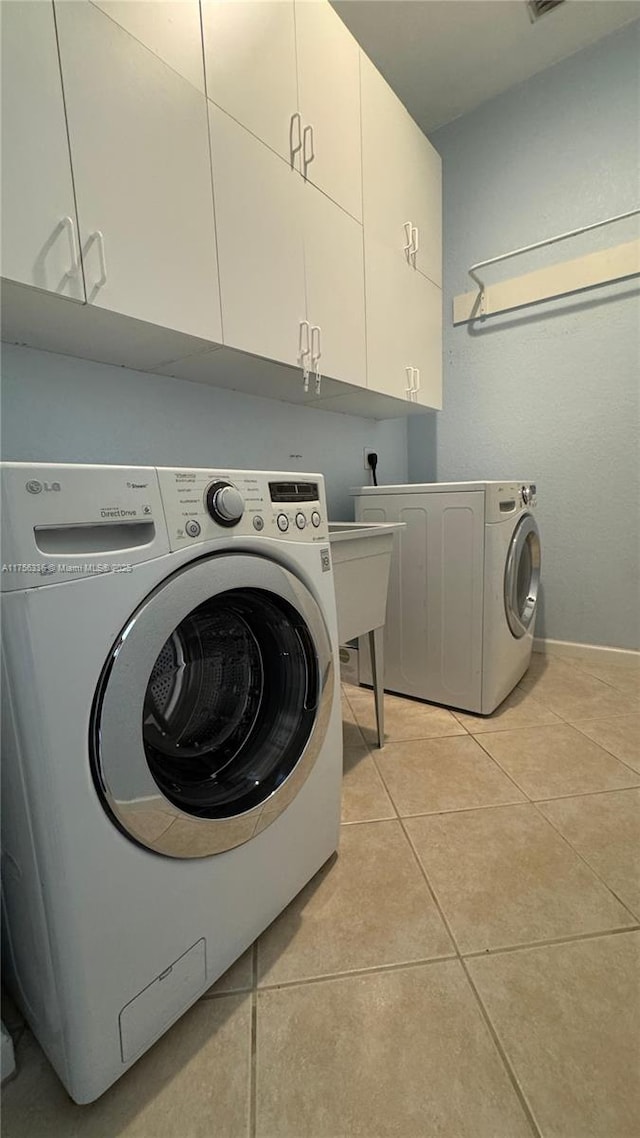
(367, 452)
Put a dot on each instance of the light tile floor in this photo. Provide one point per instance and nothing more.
(468, 967)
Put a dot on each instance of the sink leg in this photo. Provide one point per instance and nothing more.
(376, 646)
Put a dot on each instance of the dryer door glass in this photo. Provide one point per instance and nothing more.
(213, 705)
(522, 577)
(230, 703)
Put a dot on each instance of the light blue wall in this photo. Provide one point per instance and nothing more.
(59, 409)
(551, 393)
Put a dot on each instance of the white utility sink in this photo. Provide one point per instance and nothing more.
(361, 556)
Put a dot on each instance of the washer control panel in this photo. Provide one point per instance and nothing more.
(202, 504)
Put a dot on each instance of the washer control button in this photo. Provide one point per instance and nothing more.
(315, 519)
(283, 522)
(224, 503)
(258, 523)
(301, 521)
(192, 527)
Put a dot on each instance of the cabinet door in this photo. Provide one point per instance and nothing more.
(169, 28)
(250, 65)
(329, 87)
(39, 231)
(401, 175)
(258, 210)
(334, 272)
(424, 336)
(404, 327)
(140, 156)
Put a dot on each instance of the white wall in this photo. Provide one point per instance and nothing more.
(551, 393)
(59, 409)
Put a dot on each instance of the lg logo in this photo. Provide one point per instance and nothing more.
(35, 487)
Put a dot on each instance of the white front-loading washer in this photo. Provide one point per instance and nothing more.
(172, 752)
(463, 589)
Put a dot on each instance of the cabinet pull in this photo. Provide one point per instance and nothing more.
(414, 244)
(295, 136)
(409, 371)
(416, 386)
(316, 335)
(303, 351)
(74, 252)
(307, 155)
(98, 236)
(408, 232)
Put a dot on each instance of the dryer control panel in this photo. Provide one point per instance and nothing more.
(201, 504)
(503, 500)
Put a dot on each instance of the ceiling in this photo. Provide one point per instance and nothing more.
(445, 57)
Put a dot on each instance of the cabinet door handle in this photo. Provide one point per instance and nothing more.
(308, 154)
(409, 373)
(295, 136)
(316, 337)
(408, 232)
(74, 252)
(415, 244)
(99, 237)
(416, 386)
(303, 351)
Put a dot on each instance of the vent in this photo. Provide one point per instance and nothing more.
(538, 8)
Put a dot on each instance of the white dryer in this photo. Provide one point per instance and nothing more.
(463, 589)
(172, 751)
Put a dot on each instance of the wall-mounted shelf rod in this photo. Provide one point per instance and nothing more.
(605, 266)
(541, 244)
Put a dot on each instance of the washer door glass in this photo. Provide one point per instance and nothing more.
(213, 706)
(522, 577)
(230, 703)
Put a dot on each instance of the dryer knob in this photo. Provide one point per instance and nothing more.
(526, 495)
(224, 503)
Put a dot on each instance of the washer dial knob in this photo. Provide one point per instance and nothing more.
(224, 503)
(526, 495)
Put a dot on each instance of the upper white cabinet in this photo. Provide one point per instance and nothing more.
(169, 28)
(329, 91)
(250, 65)
(334, 274)
(39, 229)
(259, 220)
(291, 75)
(401, 178)
(140, 156)
(291, 261)
(404, 328)
(235, 172)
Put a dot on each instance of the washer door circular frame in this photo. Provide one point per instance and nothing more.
(120, 768)
(520, 622)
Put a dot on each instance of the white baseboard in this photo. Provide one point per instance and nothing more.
(593, 652)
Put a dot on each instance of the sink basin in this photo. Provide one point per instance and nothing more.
(361, 555)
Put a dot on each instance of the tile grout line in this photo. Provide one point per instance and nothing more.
(510, 1072)
(372, 970)
(536, 806)
(502, 949)
(611, 719)
(253, 1072)
(502, 1051)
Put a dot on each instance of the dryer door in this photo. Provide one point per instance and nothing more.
(213, 706)
(522, 577)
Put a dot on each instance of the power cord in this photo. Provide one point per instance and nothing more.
(372, 459)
